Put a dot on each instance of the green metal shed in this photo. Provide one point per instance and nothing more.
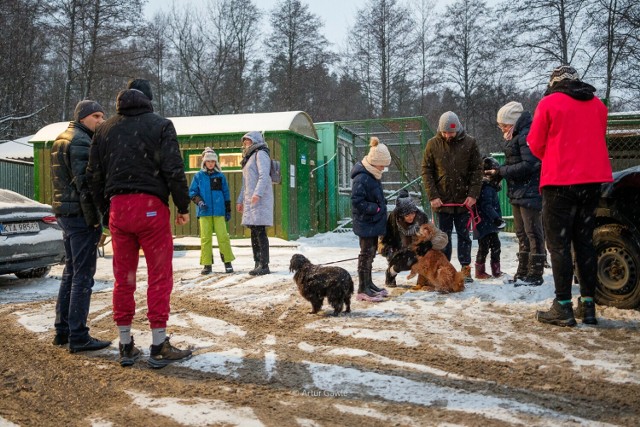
(292, 140)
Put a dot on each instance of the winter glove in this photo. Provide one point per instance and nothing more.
(227, 210)
(499, 223)
(105, 218)
(201, 204)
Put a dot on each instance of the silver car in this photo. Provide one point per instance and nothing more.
(30, 238)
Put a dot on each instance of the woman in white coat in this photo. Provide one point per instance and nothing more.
(255, 200)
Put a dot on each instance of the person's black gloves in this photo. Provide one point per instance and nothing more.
(499, 223)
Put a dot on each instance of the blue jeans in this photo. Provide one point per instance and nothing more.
(74, 296)
(446, 222)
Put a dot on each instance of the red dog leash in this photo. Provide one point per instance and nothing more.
(474, 218)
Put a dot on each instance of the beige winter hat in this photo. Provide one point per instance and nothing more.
(378, 153)
(510, 113)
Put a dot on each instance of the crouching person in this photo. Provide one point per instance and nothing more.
(396, 245)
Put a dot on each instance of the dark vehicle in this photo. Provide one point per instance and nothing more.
(617, 241)
(30, 238)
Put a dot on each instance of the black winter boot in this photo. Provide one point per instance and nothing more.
(390, 279)
(536, 269)
(558, 314)
(586, 310)
(365, 293)
(206, 270)
(523, 267)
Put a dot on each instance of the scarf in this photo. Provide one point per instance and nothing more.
(408, 230)
(250, 150)
(377, 173)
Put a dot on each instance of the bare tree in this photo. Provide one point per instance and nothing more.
(380, 50)
(466, 53)
(214, 52)
(297, 56)
(424, 22)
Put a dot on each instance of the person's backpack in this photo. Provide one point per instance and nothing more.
(275, 173)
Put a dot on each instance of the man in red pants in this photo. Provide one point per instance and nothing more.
(134, 165)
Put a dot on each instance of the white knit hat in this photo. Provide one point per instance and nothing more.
(209, 154)
(449, 122)
(378, 153)
(510, 113)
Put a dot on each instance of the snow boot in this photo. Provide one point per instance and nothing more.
(558, 314)
(495, 269)
(380, 291)
(228, 268)
(365, 293)
(586, 310)
(390, 278)
(481, 272)
(523, 268)
(206, 270)
(534, 275)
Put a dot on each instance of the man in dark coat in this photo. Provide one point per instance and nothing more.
(452, 174)
(135, 164)
(80, 223)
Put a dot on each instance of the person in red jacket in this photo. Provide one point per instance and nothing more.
(568, 135)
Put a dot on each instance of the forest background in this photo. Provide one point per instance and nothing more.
(399, 58)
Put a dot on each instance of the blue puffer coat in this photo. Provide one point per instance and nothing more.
(521, 168)
(213, 189)
(366, 198)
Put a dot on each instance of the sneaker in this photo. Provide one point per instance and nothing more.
(466, 272)
(558, 314)
(61, 339)
(228, 268)
(129, 353)
(364, 297)
(164, 354)
(92, 344)
(206, 270)
(587, 312)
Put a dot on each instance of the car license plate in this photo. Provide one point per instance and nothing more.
(19, 227)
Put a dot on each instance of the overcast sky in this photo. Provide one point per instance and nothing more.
(337, 15)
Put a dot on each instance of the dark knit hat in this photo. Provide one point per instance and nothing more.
(142, 85)
(86, 108)
(563, 72)
(405, 204)
(449, 122)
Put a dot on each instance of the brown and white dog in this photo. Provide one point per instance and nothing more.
(440, 274)
(316, 282)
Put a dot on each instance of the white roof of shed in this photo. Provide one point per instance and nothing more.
(20, 149)
(295, 121)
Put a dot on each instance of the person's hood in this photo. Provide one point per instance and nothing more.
(131, 102)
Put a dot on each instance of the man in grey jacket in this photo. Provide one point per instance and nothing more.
(80, 223)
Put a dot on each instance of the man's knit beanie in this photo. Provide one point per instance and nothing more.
(142, 85)
(378, 153)
(86, 108)
(563, 72)
(449, 122)
(510, 113)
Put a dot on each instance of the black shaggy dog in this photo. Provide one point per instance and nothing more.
(316, 282)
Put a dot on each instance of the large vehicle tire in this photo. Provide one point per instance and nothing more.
(33, 273)
(618, 267)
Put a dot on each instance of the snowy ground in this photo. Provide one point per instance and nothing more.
(418, 358)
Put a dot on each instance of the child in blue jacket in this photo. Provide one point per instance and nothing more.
(490, 222)
(210, 192)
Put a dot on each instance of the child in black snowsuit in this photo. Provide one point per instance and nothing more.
(490, 223)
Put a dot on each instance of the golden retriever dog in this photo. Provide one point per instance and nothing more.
(434, 269)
